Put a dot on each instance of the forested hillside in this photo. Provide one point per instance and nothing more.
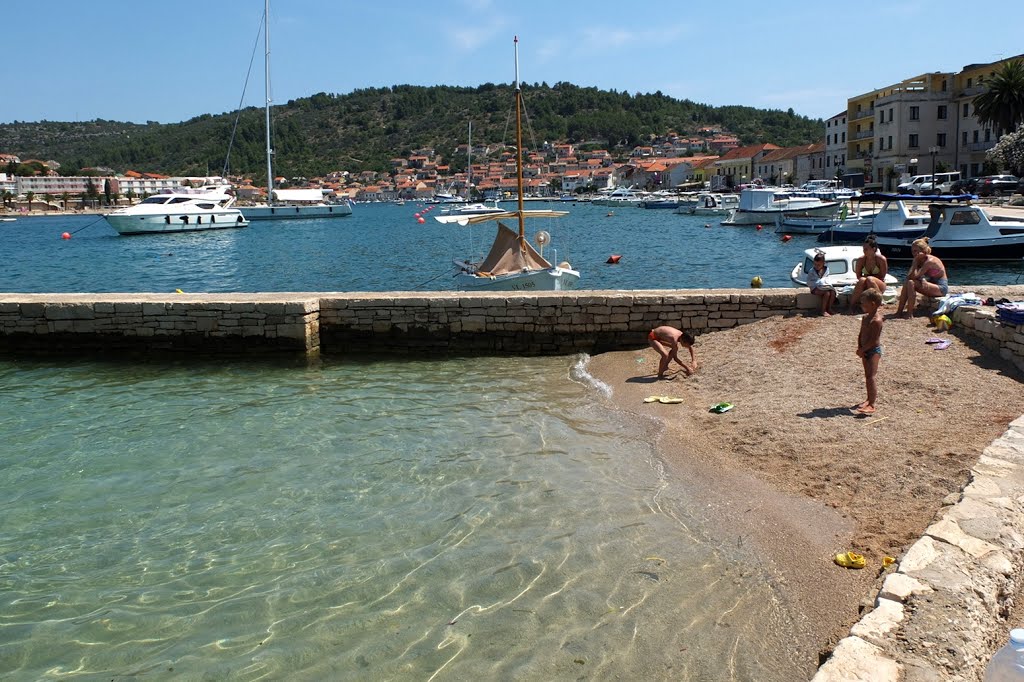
(362, 130)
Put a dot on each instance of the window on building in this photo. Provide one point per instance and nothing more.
(975, 136)
(988, 135)
(970, 82)
(844, 138)
(843, 162)
(881, 117)
(941, 113)
(967, 109)
(890, 143)
(963, 139)
(940, 139)
(915, 113)
(890, 114)
(881, 144)
(943, 84)
(912, 142)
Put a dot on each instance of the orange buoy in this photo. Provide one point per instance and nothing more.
(66, 235)
(420, 221)
(613, 259)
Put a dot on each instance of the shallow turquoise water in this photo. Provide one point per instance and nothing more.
(356, 520)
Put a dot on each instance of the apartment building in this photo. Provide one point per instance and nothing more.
(835, 145)
(922, 123)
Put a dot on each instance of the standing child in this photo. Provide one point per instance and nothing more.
(666, 341)
(869, 346)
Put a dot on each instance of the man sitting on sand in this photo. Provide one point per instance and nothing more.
(666, 341)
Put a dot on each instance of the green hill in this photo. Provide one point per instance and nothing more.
(363, 129)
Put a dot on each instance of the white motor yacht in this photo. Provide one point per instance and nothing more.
(182, 210)
(763, 205)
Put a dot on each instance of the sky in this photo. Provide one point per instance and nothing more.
(69, 60)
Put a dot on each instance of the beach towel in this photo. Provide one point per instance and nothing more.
(947, 304)
(1011, 312)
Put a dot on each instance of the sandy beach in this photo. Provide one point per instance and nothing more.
(793, 471)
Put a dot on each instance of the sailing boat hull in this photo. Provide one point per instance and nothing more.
(552, 279)
(295, 212)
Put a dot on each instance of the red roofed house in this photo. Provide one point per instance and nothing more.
(737, 165)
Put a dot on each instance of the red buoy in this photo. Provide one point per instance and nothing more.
(416, 215)
(786, 237)
(760, 227)
(66, 235)
(420, 221)
(613, 259)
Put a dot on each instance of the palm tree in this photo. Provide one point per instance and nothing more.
(7, 197)
(30, 196)
(1002, 106)
(65, 198)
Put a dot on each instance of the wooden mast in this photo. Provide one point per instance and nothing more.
(519, 150)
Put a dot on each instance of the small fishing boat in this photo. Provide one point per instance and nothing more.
(839, 260)
(512, 264)
(958, 232)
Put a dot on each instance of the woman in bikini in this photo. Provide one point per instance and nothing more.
(927, 277)
(871, 270)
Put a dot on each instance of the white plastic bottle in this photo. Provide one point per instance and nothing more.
(1007, 665)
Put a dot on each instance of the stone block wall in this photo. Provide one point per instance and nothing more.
(538, 323)
(99, 323)
(981, 323)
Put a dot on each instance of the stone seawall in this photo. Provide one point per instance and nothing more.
(434, 323)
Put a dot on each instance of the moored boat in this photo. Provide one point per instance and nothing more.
(512, 264)
(291, 204)
(180, 211)
(759, 206)
(840, 260)
(963, 232)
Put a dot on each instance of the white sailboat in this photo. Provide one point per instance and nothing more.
(287, 204)
(513, 264)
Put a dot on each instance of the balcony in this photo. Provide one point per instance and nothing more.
(862, 113)
(982, 146)
(972, 91)
(864, 134)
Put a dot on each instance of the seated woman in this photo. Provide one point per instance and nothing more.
(817, 282)
(927, 276)
(871, 270)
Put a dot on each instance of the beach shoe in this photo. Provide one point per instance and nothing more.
(721, 407)
(934, 340)
(942, 345)
(887, 561)
(850, 560)
(663, 399)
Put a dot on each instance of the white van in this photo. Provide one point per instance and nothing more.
(923, 184)
(914, 185)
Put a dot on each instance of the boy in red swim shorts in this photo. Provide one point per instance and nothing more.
(666, 340)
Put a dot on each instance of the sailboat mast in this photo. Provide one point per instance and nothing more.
(519, 147)
(266, 87)
(469, 164)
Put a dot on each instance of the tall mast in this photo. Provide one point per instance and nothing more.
(519, 147)
(469, 165)
(266, 87)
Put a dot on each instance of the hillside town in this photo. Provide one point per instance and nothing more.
(923, 124)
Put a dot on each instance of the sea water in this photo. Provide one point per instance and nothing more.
(460, 519)
(382, 247)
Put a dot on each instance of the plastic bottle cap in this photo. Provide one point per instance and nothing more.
(1017, 636)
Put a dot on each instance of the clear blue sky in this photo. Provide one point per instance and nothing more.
(69, 60)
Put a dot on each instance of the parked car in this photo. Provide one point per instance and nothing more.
(993, 185)
(914, 185)
(968, 186)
